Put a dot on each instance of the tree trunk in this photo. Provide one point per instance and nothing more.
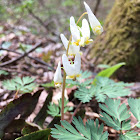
(120, 41)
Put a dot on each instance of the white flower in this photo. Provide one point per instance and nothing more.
(75, 32)
(94, 23)
(57, 76)
(85, 30)
(73, 49)
(72, 70)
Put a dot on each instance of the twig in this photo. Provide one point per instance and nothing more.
(36, 59)
(37, 45)
(14, 70)
(97, 6)
(75, 111)
(37, 18)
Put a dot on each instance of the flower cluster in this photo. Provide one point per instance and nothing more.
(80, 38)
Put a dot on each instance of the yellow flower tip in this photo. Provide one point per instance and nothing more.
(81, 53)
(73, 76)
(89, 41)
(97, 30)
(70, 77)
(77, 42)
(78, 75)
(70, 54)
(57, 84)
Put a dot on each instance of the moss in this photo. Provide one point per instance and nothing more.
(121, 37)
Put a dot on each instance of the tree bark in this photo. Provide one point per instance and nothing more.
(120, 41)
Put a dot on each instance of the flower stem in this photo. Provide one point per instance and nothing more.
(64, 76)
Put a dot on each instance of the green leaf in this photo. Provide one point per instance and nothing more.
(90, 131)
(6, 45)
(103, 66)
(15, 126)
(23, 85)
(38, 135)
(135, 107)
(83, 80)
(84, 75)
(24, 106)
(48, 85)
(106, 87)
(130, 135)
(108, 72)
(29, 129)
(118, 113)
(2, 72)
(70, 83)
(65, 102)
(101, 90)
(84, 94)
(138, 124)
(53, 110)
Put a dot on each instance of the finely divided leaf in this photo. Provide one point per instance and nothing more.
(53, 110)
(23, 85)
(84, 94)
(85, 75)
(90, 131)
(130, 135)
(118, 113)
(106, 87)
(135, 107)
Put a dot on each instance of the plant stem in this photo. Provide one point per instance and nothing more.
(64, 76)
(16, 94)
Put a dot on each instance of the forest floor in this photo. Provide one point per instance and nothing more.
(24, 54)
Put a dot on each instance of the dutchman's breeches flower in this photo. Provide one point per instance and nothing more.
(72, 70)
(73, 49)
(74, 32)
(57, 76)
(85, 31)
(94, 23)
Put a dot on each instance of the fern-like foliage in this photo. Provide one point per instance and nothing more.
(85, 75)
(106, 87)
(83, 80)
(90, 131)
(130, 135)
(23, 85)
(2, 72)
(54, 110)
(84, 94)
(115, 115)
(135, 107)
